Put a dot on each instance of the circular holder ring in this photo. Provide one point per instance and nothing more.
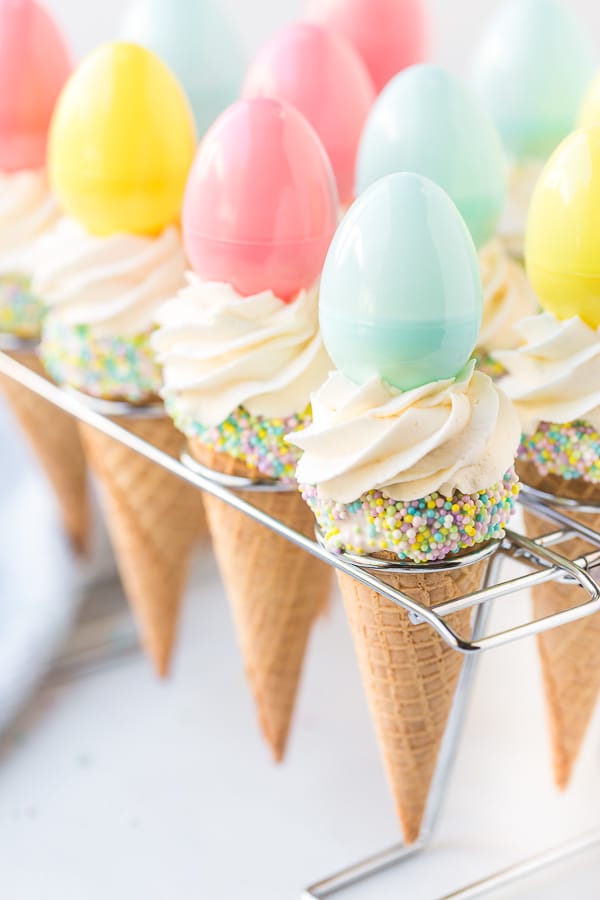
(237, 482)
(443, 565)
(118, 408)
(565, 504)
(11, 343)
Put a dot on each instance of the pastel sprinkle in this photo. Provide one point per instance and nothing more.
(21, 312)
(457, 523)
(488, 365)
(256, 440)
(571, 450)
(120, 368)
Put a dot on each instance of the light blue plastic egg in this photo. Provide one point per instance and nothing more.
(427, 121)
(532, 68)
(401, 293)
(198, 43)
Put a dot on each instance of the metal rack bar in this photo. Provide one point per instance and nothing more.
(527, 867)
(546, 563)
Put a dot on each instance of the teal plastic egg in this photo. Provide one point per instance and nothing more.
(532, 69)
(199, 44)
(401, 293)
(427, 121)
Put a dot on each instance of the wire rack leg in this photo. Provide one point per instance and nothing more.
(401, 852)
(528, 867)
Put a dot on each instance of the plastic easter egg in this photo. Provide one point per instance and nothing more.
(121, 143)
(427, 121)
(532, 69)
(389, 34)
(321, 74)
(401, 294)
(34, 65)
(198, 42)
(590, 108)
(562, 247)
(260, 206)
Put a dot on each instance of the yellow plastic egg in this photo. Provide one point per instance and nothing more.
(590, 108)
(121, 142)
(562, 248)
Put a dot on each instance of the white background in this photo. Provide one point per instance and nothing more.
(117, 787)
(456, 23)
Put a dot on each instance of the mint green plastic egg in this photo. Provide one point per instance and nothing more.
(532, 69)
(427, 121)
(401, 294)
(199, 44)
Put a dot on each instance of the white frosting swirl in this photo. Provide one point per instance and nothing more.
(555, 376)
(27, 210)
(113, 284)
(507, 298)
(220, 350)
(522, 179)
(460, 434)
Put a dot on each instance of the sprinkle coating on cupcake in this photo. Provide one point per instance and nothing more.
(21, 312)
(421, 531)
(571, 450)
(257, 441)
(109, 368)
(489, 365)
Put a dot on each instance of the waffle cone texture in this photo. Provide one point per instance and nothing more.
(154, 520)
(276, 590)
(410, 676)
(569, 655)
(54, 437)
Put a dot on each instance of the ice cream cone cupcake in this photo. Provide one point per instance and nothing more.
(452, 140)
(410, 455)
(199, 44)
(241, 352)
(34, 64)
(322, 75)
(531, 69)
(554, 380)
(121, 143)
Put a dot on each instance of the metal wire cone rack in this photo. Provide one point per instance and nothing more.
(540, 559)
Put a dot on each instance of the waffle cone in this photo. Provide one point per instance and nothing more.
(570, 655)
(276, 591)
(54, 438)
(410, 676)
(154, 520)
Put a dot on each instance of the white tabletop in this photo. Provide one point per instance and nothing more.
(117, 786)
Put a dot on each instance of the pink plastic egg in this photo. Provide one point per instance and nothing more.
(322, 75)
(389, 34)
(260, 205)
(34, 65)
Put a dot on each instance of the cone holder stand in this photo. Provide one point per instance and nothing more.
(540, 558)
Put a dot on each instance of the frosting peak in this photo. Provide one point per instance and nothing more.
(522, 178)
(220, 350)
(27, 210)
(507, 298)
(460, 434)
(113, 284)
(555, 375)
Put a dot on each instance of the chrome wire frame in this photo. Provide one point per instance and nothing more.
(544, 563)
(528, 867)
